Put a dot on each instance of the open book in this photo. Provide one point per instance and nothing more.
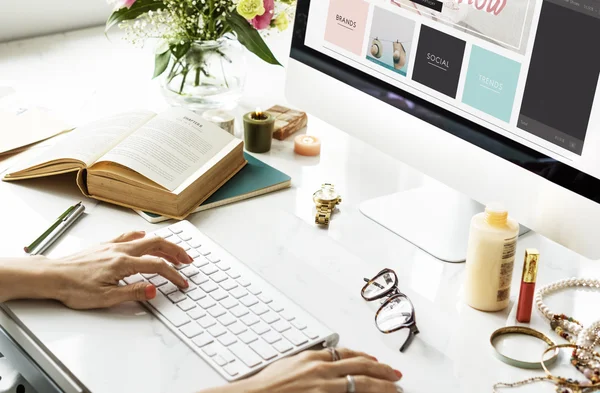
(167, 163)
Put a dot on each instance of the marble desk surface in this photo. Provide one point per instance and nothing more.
(83, 76)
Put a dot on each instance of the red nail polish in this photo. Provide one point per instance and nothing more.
(150, 292)
(398, 374)
(374, 359)
(187, 283)
(190, 258)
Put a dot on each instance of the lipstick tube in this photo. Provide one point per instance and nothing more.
(530, 268)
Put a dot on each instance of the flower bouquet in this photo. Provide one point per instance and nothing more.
(200, 42)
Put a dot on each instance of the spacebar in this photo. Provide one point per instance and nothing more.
(169, 310)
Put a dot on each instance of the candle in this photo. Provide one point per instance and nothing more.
(307, 145)
(223, 119)
(258, 131)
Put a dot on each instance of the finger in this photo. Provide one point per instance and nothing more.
(364, 385)
(135, 292)
(366, 367)
(344, 353)
(159, 247)
(155, 265)
(129, 236)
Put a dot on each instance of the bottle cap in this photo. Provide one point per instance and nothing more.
(530, 267)
(496, 214)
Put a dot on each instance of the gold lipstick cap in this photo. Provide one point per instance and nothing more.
(530, 267)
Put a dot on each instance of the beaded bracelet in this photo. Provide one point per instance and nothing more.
(577, 386)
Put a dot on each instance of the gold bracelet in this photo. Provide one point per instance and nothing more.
(528, 332)
(570, 383)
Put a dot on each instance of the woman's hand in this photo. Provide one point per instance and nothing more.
(90, 279)
(315, 372)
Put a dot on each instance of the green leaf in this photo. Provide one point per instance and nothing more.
(138, 8)
(250, 38)
(161, 62)
(180, 50)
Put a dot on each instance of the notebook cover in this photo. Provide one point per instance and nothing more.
(256, 178)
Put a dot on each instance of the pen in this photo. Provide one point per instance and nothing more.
(61, 224)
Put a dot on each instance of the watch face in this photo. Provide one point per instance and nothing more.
(326, 194)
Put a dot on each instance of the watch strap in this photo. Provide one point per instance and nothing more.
(323, 214)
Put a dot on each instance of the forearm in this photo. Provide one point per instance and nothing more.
(23, 278)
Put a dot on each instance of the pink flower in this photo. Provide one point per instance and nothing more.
(122, 3)
(261, 22)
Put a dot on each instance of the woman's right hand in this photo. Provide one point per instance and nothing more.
(315, 372)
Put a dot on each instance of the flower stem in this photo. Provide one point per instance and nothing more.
(184, 76)
(197, 80)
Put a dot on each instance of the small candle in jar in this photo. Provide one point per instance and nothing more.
(223, 119)
(307, 145)
(258, 131)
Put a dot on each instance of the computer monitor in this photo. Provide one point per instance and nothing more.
(497, 99)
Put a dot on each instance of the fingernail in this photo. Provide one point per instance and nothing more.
(187, 284)
(373, 358)
(398, 374)
(150, 292)
(190, 258)
(142, 232)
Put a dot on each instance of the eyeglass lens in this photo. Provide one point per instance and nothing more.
(380, 285)
(394, 314)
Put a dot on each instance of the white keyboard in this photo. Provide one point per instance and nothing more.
(229, 316)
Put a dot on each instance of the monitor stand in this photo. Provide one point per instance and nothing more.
(434, 218)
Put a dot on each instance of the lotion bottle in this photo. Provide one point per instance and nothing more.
(490, 259)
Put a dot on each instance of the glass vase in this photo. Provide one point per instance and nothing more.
(211, 75)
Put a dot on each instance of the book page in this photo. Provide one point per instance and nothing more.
(90, 142)
(170, 147)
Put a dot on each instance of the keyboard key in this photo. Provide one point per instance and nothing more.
(217, 330)
(264, 298)
(276, 306)
(239, 311)
(229, 302)
(295, 337)
(191, 330)
(206, 303)
(219, 360)
(249, 300)
(175, 229)
(149, 275)
(233, 274)
(200, 262)
(238, 292)
(196, 294)
(250, 319)
(202, 340)
(179, 266)
(310, 334)
(193, 253)
(263, 349)
(270, 317)
(209, 269)
(219, 294)
(134, 279)
(253, 289)
(199, 279)
(219, 277)
(226, 319)
(190, 271)
(282, 346)
(237, 328)
(228, 356)
(259, 309)
(216, 311)
(189, 289)
(203, 250)
(209, 287)
(243, 282)
(174, 239)
(260, 328)
(186, 305)
(228, 285)
(185, 236)
(164, 233)
(213, 258)
(299, 325)
(206, 321)
(227, 339)
(224, 266)
(195, 242)
(232, 369)
(287, 315)
(281, 326)
(168, 288)
(169, 310)
(210, 350)
(247, 337)
(247, 356)
(158, 281)
(271, 337)
(177, 297)
(196, 313)
(185, 246)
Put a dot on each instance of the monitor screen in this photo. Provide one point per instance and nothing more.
(519, 78)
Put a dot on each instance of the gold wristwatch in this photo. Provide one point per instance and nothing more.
(326, 200)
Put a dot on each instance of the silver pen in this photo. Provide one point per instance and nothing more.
(62, 226)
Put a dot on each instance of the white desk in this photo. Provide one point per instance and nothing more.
(125, 349)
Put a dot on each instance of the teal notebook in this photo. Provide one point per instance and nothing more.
(256, 178)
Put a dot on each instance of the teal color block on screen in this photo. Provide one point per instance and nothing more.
(491, 83)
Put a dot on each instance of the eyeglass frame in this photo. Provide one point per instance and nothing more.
(392, 293)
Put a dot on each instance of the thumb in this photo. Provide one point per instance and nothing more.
(129, 236)
(136, 292)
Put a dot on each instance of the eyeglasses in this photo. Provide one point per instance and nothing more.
(397, 312)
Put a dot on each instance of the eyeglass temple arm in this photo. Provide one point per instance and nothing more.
(413, 332)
